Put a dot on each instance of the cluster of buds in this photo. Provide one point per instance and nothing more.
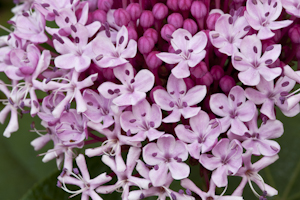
(156, 86)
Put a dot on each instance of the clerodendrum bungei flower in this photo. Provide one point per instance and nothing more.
(157, 91)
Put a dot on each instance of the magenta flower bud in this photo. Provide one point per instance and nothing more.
(277, 36)
(122, 17)
(134, 10)
(108, 73)
(146, 19)
(226, 83)
(152, 60)
(189, 83)
(298, 54)
(145, 44)
(217, 72)
(105, 4)
(99, 15)
(199, 70)
(90, 18)
(160, 11)
(238, 1)
(207, 79)
(173, 4)
(152, 33)
(184, 4)
(267, 44)
(167, 31)
(190, 25)
(294, 34)
(176, 20)
(198, 9)
(132, 34)
(212, 19)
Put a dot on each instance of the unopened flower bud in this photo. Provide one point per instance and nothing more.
(184, 4)
(99, 15)
(294, 34)
(226, 83)
(152, 60)
(189, 83)
(199, 70)
(212, 18)
(132, 34)
(105, 4)
(152, 33)
(217, 72)
(176, 20)
(267, 45)
(190, 25)
(173, 4)
(160, 11)
(198, 9)
(207, 79)
(167, 31)
(146, 19)
(134, 10)
(145, 44)
(122, 18)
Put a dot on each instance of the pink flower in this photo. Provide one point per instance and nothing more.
(202, 137)
(226, 159)
(143, 120)
(189, 51)
(133, 88)
(109, 55)
(262, 15)
(228, 33)
(166, 154)
(252, 65)
(178, 100)
(234, 109)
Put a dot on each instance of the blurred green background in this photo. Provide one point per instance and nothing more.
(21, 169)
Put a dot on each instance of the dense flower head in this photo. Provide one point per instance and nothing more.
(160, 88)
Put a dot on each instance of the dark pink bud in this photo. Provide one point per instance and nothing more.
(152, 60)
(145, 44)
(207, 79)
(167, 31)
(217, 72)
(189, 83)
(226, 83)
(90, 19)
(146, 19)
(176, 20)
(152, 33)
(198, 9)
(212, 19)
(108, 73)
(184, 4)
(160, 11)
(134, 10)
(105, 4)
(267, 45)
(122, 18)
(199, 70)
(132, 34)
(173, 4)
(294, 34)
(298, 53)
(99, 15)
(190, 25)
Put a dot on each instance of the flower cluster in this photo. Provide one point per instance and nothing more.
(154, 86)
